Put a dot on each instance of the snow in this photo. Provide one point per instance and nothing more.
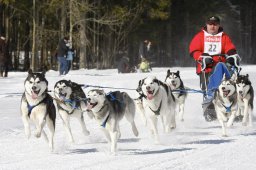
(195, 144)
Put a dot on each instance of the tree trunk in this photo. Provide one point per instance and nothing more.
(82, 55)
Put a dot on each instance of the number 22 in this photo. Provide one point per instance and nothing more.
(212, 48)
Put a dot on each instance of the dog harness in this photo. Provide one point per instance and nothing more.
(72, 103)
(103, 124)
(31, 107)
(157, 112)
(228, 109)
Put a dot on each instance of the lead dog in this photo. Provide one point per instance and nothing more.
(174, 81)
(157, 101)
(70, 100)
(225, 103)
(37, 106)
(109, 110)
(245, 94)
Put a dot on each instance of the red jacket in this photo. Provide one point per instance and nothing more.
(196, 48)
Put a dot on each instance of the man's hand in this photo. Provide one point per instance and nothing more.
(206, 60)
(233, 60)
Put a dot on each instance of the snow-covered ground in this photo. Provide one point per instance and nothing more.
(194, 144)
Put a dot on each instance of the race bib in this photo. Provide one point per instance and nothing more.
(212, 43)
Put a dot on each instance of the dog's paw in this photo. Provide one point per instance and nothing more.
(244, 123)
(51, 147)
(86, 132)
(173, 127)
(144, 122)
(38, 134)
(229, 124)
(118, 135)
(27, 133)
(167, 130)
(71, 141)
(224, 135)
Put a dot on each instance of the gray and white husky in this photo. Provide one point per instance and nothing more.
(157, 102)
(37, 106)
(71, 102)
(245, 94)
(174, 81)
(225, 103)
(109, 110)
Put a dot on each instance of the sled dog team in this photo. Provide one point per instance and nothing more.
(158, 100)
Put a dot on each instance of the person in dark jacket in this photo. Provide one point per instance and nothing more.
(4, 57)
(62, 50)
(123, 65)
(145, 49)
(213, 51)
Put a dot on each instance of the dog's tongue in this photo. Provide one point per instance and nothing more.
(89, 106)
(149, 96)
(62, 98)
(34, 95)
(225, 93)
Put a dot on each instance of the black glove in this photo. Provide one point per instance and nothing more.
(233, 60)
(206, 60)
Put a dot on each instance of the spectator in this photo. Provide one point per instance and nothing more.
(123, 65)
(70, 56)
(4, 57)
(145, 49)
(62, 50)
(144, 66)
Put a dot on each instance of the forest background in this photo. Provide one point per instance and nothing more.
(104, 31)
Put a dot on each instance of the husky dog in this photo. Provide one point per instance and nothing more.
(245, 95)
(225, 103)
(37, 106)
(174, 81)
(108, 111)
(70, 99)
(158, 101)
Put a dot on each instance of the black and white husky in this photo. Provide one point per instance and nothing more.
(245, 94)
(225, 103)
(109, 110)
(37, 106)
(174, 81)
(71, 102)
(157, 101)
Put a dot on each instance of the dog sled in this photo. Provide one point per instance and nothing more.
(232, 64)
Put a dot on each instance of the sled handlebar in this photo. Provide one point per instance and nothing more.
(222, 55)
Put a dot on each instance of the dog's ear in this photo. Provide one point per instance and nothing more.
(178, 73)
(69, 82)
(101, 92)
(43, 72)
(140, 82)
(156, 81)
(247, 75)
(168, 72)
(139, 86)
(30, 71)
